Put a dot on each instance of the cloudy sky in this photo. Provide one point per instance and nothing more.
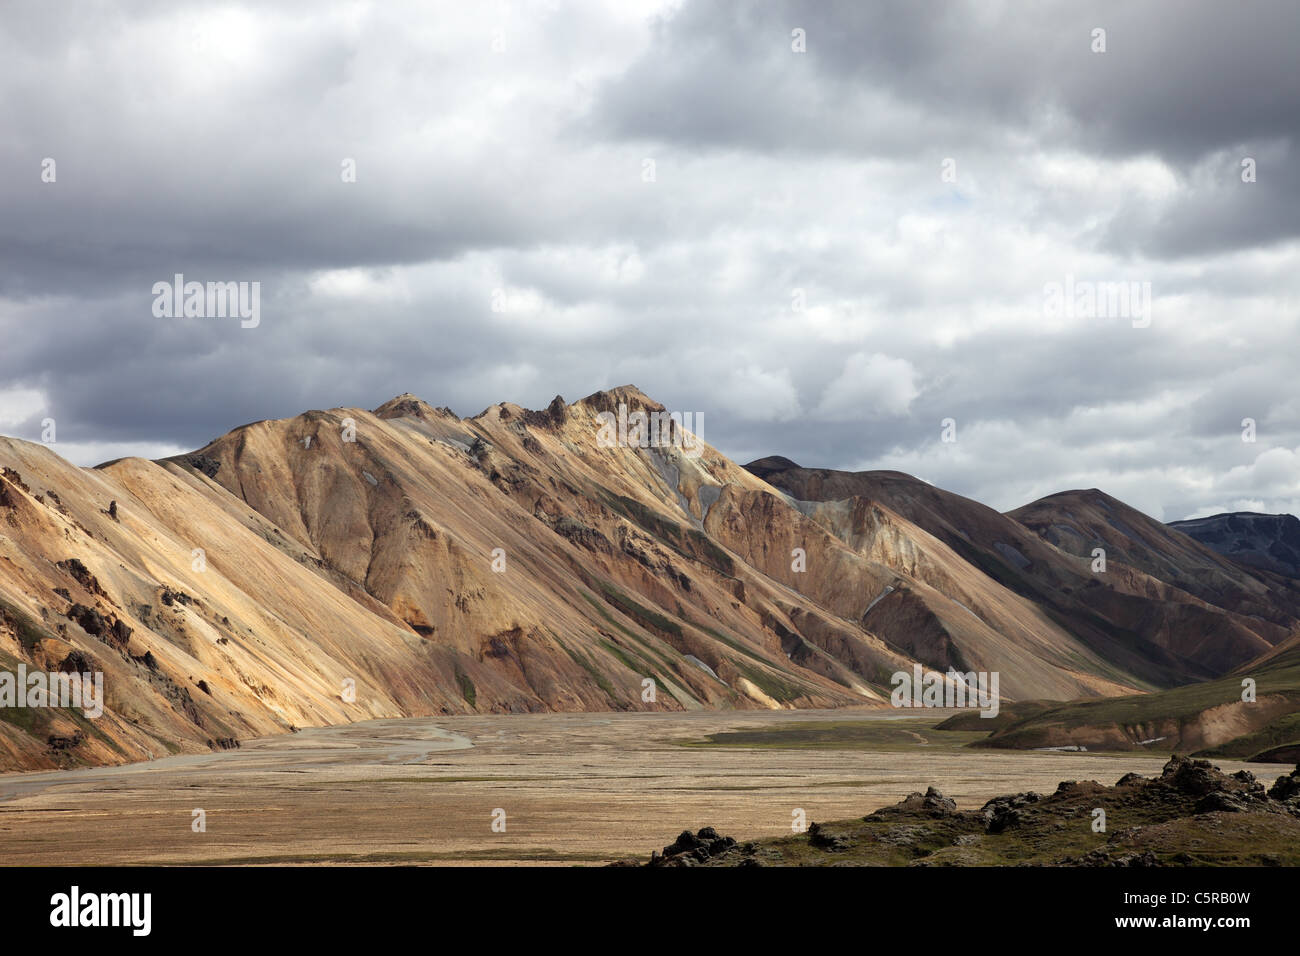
(827, 226)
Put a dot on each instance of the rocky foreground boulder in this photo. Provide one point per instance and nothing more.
(690, 849)
(1192, 814)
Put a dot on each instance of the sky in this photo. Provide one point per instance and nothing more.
(831, 228)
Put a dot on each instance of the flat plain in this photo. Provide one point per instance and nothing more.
(576, 789)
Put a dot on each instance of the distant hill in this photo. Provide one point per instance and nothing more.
(1206, 719)
(1269, 542)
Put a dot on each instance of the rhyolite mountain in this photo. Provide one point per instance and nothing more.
(1166, 608)
(349, 564)
(1078, 521)
(1165, 600)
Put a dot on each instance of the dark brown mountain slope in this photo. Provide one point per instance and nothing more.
(1079, 521)
(1154, 630)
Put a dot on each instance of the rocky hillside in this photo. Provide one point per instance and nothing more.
(1079, 521)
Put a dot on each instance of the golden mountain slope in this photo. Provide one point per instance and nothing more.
(345, 564)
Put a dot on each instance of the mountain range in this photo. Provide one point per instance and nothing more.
(347, 564)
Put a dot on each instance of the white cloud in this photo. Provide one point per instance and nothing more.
(18, 405)
(756, 394)
(870, 386)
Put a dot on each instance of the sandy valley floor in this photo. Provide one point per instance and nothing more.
(575, 788)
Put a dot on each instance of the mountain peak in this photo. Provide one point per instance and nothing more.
(407, 405)
(608, 400)
(771, 465)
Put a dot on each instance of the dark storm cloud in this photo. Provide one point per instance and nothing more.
(1180, 79)
(1196, 84)
(795, 268)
